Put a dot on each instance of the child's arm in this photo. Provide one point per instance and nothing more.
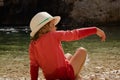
(34, 68)
(34, 72)
(101, 34)
(79, 34)
(75, 34)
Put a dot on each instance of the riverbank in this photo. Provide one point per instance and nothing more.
(103, 57)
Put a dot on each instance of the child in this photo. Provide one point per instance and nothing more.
(46, 50)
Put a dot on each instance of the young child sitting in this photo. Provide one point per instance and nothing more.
(46, 51)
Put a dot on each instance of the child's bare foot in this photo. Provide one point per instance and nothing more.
(68, 56)
(78, 77)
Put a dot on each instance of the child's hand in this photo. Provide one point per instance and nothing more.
(101, 34)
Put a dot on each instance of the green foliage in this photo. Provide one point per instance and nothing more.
(14, 43)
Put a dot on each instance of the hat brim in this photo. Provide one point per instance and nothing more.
(56, 18)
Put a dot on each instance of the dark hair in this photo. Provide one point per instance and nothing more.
(45, 29)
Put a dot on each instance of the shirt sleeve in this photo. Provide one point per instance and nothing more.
(76, 34)
(34, 72)
(34, 68)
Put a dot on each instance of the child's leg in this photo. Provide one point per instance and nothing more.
(78, 60)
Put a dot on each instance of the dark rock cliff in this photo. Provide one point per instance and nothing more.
(19, 12)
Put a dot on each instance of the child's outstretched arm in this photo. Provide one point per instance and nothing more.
(80, 33)
(101, 34)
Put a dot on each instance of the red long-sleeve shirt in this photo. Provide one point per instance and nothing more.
(47, 52)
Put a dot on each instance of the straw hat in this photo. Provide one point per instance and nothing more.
(39, 20)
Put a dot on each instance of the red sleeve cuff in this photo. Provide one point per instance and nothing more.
(34, 72)
(84, 32)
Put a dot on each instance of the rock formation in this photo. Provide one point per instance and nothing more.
(72, 11)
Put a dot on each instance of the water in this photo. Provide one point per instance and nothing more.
(14, 29)
(112, 32)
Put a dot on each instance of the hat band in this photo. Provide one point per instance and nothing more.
(44, 21)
